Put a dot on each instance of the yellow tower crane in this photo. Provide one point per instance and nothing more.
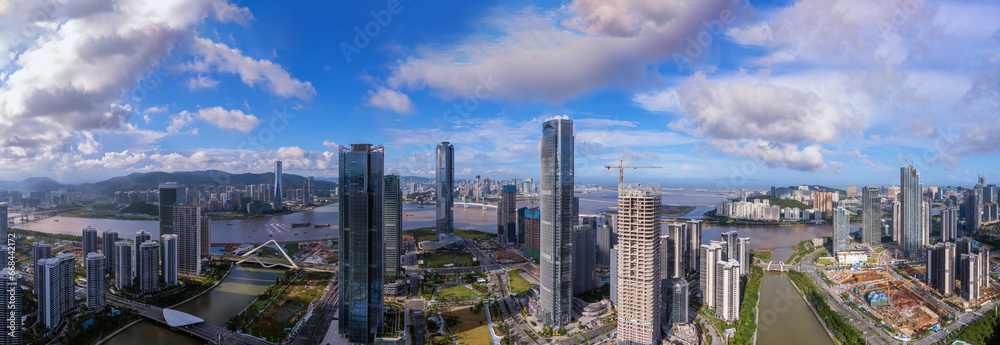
(621, 170)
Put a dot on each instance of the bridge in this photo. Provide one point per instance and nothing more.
(289, 264)
(778, 266)
(186, 323)
(467, 204)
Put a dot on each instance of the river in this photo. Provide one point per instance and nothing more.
(228, 299)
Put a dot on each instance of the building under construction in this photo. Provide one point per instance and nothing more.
(898, 303)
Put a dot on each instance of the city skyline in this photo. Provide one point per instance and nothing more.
(230, 92)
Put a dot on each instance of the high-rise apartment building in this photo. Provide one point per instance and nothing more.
(603, 245)
(941, 268)
(531, 218)
(911, 199)
(168, 259)
(871, 216)
(897, 221)
(10, 282)
(584, 258)
(89, 240)
(141, 237)
(39, 251)
(743, 255)
(693, 247)
(678, 301)
(507, 214)
(123, 264)
(56, 289)
(392, 226)
(95, 280)
(727, 290)
(278, 201)
(187, 227)
(949, 224)
(841, 230)
(613, 280)
(639, 281)
(557, 218)
(147, 261)
(711, 254)
(3, 219)
(361, 232)
(925, 222)
(205, 236)
(171, 193)
(108, 240)
(823, 201)
(677, 267)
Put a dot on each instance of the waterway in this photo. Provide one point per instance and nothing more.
(228, 299)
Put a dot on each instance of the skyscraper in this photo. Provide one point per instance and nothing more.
(95, 281)
(973, 208)
(940, 267)
(911, 198)
(308, 191)
(949, 224)
(677, 268)
(278, 201)
(361, 232)
(871, 216)
(897, 221)
(89, 240)
(584, 258)
(532, 227)
(171, 193)
(729, 247)
(147, 261)
(141, 237)
(3, 225)
(10, 282)
(205, 236)
(393, 227)
(123, 264)
(678, 301)
(693, 247)
(613, 257)
(842, 230)
(556, 271)
(39, 251)
(187, 227)
(108, 240)
(507, 214)
(639, 281)
(710, 255)
(168, 259)
(604, 245)
(56, 288)
(443, 198)
(727, 290)
(743, 254)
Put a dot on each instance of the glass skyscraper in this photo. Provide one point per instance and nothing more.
(871, 216)
(910, 189)
(393, 227)
(360, 243)
(443, 197)
(171, 193)
(278, 200)
(557, 220)
(842, 229)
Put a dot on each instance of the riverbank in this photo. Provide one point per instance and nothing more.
(839, 330)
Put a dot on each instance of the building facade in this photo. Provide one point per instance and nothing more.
(168, 259)
(711, 254)
(123, 265)
(56, 288)
(911, 198)
(187, 227)
(171, 193)
(507, 214)
(39, 251)
(871, 216)
(10, 282)
(95, 280)
(678, 301)
(842, 230)
(584, 258)
(639, 281)
(557, 220)
(727, 290)
(392, 227)
(444, 198)
(949, 224)
(694, 245)
(147, 262)
(941, 268)
(108, 240)
(531, 218)
(89, 240)
(278, 201)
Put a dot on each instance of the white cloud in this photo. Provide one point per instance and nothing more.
(389, 99)
(252, 72)
(809, 158)
(222, 118)
(201, 82)
(332, 146)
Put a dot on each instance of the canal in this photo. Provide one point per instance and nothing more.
(228, 299)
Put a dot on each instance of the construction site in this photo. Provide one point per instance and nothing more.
(893, 301)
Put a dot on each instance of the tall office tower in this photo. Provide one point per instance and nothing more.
(729, 245)
(897, 222)
(949, 224)
(727, 290)
(95, 281)
(39, 251)
(613, 280)
(710, 254)
(693, 245)
(532, 229)
(89, 240)
(168, 259)
(308, 190)
(973, 209)
(56, 289)
(871, 216)
(141, 237)
(940, 267)
(677, 267)
(556, 250)
(123, 264)
(187, 227)
(443, 198)
(969, 273)
(392, 226)
(10, 282)
(205, 235)
(507, 214)
(603, 245)
(925, 222)
(108, 240)
(361, 256)
(842, 230)
(171, 193)
(911, 198)
(743, 254)
(678, 301)
(584, 258)
(147, 260)
(278, 201)
(639, 280)
(4, 224)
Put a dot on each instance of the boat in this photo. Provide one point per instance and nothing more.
(299, 225)
(322, 225)
(229, 223)
(56, 220)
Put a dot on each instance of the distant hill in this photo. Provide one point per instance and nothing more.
(152, 180)
(34, 184)
(142, 208)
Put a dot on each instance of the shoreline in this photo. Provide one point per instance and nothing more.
(829, 333)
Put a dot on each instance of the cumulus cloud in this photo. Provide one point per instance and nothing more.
(393, 100)
(252, 72)
(600, 45)
(201, 82)
(808, 158)
(222, 118)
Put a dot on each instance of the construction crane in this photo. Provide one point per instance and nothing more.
(621, 170)
(913, 171)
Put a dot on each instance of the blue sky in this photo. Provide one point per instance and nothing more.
(719, 93)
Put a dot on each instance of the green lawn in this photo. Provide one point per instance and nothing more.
(763, 255)
(470, 328)
(517, 283)
(457, 292)
(428, 234)
(879, 249)
(439, 259)
(473, 234)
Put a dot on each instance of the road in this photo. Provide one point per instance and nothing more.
(203, 330)
(314, 329)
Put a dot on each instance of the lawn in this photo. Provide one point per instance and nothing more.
(517, 283)
(439, 259)
(469, 327)
(473, 234)
(283, 306)
(457, 292)
(879, 249)
(428, 234)
(763, 255)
